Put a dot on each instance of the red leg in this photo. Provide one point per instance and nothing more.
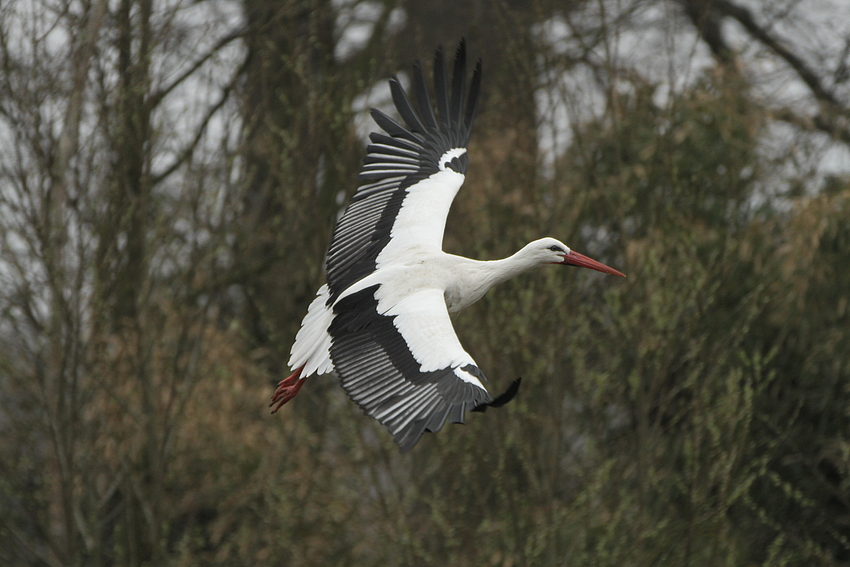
(287, 389)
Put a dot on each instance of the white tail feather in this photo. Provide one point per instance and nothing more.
(312, 343)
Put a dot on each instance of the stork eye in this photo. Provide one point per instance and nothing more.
(555, 248)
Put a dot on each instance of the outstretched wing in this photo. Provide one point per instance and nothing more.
(412, 174)
(405, 367)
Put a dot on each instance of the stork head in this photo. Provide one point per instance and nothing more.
(552, 251)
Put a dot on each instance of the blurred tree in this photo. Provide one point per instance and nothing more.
(103, 322)
(169, 178)
(288, 114)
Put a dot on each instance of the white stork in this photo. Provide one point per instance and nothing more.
(382, 320)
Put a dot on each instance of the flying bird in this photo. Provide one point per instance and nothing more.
(381, 321)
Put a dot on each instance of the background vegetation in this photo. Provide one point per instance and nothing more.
(170, 173)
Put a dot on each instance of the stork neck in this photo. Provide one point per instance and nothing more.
(471, 279)
(512, 266)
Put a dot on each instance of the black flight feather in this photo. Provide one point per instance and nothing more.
(393, 128)
(472, 102)
(441, 89)
(502, 399)
(423, 101)
(458, 83)
(405, 109)
(378, 138)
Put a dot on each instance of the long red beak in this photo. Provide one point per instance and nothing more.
(575, 259)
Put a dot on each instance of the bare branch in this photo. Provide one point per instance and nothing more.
(157, 97)
(199, 133)
(745, 17)
(819, 122)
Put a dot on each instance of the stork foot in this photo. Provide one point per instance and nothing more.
(287, 389)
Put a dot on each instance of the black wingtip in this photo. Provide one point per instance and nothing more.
(441, 89)
(472, 102)
(458, 85)
(460, 51)
(423, 101)
(502, 399)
